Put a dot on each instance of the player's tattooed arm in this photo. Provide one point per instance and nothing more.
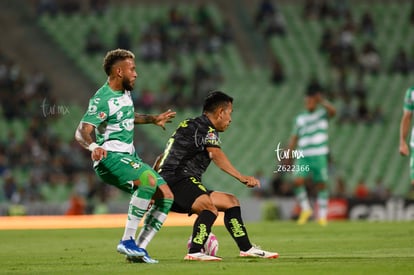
(159, 119)
(143, 119)
(83, 134)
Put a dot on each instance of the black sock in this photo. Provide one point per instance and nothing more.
(201, 230)
(234, 224)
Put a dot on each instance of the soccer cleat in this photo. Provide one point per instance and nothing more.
(199, 256)
(143, 259)
(129, 248)
(323, 222)
(259, 253)
(304, 216)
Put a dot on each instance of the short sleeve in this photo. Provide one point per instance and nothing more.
(409, 100)
(212, 138)
(97, 112)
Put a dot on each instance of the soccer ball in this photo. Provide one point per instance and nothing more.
(210, 247)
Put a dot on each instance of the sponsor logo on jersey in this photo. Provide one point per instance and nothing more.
(102, 116)
(210, 139)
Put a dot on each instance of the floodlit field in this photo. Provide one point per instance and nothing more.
(340, 248)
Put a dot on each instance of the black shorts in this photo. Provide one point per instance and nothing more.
(186, 191)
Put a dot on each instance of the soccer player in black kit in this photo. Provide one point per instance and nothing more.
(186, 157)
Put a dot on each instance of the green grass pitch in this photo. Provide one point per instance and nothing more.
(340, 248)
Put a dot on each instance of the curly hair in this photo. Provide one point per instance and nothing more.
(113, 57)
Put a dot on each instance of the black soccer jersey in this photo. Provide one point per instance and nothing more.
(185, 154)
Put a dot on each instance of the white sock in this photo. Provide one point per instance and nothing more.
(303, 201)
(153, 224)
(137, 209)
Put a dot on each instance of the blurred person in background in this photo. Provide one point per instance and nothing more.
(310, 139)
(405, 125)
(380, 191)
(361, 191)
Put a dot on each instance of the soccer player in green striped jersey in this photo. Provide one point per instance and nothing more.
(310, 142)
(405, 125)
(111, 118)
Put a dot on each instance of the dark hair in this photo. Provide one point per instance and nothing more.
(215, 100)
(113, 57)
(312, 92)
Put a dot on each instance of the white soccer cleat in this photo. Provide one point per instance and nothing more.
(199, 256)
(259, 253)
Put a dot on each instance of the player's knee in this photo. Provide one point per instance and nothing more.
(234, 201)
(212, 209)
(151, 180)
(147, 180)
(299, 182)
(321, 187)
(204, 203)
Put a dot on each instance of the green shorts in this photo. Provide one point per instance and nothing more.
(121, 169)
(315, 167)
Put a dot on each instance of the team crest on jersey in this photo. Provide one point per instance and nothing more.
(135, 165)
(92, 109)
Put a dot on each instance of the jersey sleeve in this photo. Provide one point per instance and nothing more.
(212, 138)
(409, 100)
(98, 111)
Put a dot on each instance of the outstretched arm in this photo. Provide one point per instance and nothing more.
(329, 107)
(83, 135)
(159, 119)
(221, 160)
(404, 129)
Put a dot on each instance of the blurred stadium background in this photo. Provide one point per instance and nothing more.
(266, 54)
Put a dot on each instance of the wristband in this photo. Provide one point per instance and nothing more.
(92, 146)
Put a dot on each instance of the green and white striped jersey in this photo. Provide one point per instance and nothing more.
(112, 114)
(311, 128)
(409, 106)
